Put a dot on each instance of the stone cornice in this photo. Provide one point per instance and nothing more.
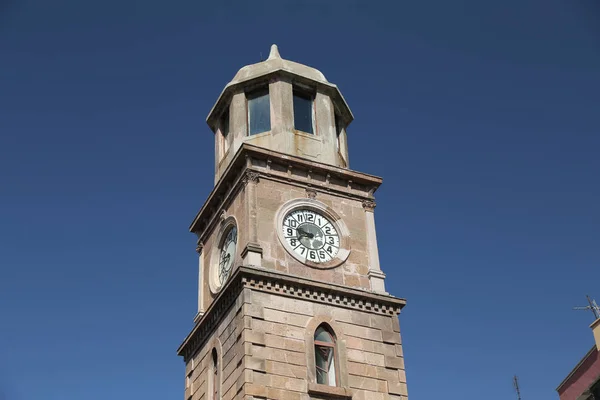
(251, 162)
(260, 279)
(369, 205)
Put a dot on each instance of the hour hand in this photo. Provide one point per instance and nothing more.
(302, 232)
(226, 260)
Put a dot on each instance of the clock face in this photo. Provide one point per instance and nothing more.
(227, 254)
(311, 235)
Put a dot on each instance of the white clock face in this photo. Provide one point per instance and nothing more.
(227, 254)
(311, 235)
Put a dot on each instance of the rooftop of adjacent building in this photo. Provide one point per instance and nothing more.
(584, 379)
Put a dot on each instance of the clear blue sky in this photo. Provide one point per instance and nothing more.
(481, 116)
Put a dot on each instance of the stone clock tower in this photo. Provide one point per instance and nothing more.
(291, 298)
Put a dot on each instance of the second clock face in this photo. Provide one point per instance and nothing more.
(311, 235)
(227, 254)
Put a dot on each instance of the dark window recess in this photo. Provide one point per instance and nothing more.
(225, 123)
(215, 370)
(303, 112)
(259, 111)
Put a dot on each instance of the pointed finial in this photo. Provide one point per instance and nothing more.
(274, 52)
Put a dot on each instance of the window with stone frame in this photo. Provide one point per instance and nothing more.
(303, 111)
(325, 356)
(214, 375)
(259, 111)
(224, 127)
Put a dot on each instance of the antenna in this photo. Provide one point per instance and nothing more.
(516, 384)
(592, 306)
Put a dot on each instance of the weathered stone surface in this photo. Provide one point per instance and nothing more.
(262, 320)
(398, 388)
(394, 362)
(268, 343)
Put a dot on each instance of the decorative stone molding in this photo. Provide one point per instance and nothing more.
(199, 246)
(250, 163)
(253, 176)
(198, 316)
(252, 254)
(252, 278)
(377, 279)
(369, 205)
(311, 193)
(250, 176)
(252, 247)
(322, 296)
(210, 320)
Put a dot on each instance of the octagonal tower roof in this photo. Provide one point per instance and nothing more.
(274, 64)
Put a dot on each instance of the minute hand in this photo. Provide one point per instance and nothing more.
(302, 232)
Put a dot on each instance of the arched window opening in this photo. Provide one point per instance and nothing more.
(215, 375)
(325, 357)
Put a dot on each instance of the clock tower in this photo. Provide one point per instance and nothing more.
(291, 297)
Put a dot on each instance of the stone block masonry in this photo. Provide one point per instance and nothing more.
(263, 332)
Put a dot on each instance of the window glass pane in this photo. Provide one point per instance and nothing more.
(303, 119)
(323, 361)
(322, 335)
(331, 372)
(259, 112)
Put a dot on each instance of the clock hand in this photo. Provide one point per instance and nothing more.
(226, 260)
(302, 232)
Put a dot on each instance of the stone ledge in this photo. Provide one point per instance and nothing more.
(270, 281)
(329, 392)
(251, 247)
(198, 316)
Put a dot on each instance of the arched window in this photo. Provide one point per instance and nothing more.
(215, 375)
(325, 356)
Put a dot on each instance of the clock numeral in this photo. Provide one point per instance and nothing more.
(311, 235)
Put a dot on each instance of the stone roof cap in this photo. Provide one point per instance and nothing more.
(272, 65)
(276, 63)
